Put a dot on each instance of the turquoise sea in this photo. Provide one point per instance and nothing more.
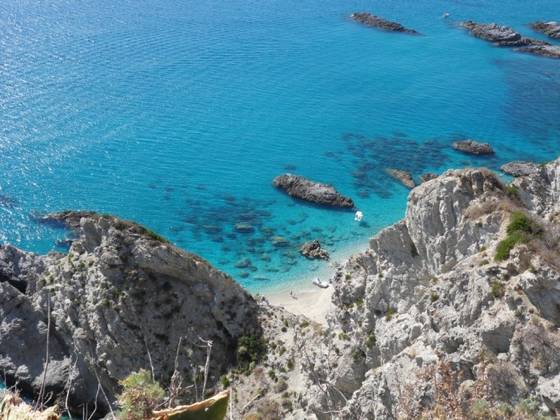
(179, 113)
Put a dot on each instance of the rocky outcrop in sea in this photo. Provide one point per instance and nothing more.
(504, 36)
(312, 192)
(373, 21)
(473, 147)
(550, 29)
(314, 251)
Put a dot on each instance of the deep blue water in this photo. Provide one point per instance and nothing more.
(178, 114)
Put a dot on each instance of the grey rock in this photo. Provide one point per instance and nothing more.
(377, 22)
(311, 191)
(473, 147)
(313, 251)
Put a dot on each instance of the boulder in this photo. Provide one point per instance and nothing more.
(378, 22)
(403, 176)
(311, 191)
(313, 251)
(473, 147)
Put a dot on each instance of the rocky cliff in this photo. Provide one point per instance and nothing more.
(121, 299)
(434, 319)
(451, 313)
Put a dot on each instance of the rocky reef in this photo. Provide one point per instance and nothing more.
(373, 21)
(550, 29)
(311, 191)
(121, 299)
(504, 36)
(473, 147)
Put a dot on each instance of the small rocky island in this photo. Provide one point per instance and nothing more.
(504, 36)
(314, 251)
(550, 29)
(373, 21)
(473, 147)
(312, 192)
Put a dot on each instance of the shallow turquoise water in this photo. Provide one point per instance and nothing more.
(179, 114)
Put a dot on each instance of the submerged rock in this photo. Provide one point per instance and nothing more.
(504, 36)
(551, 29)
(473, 147)
(403, 176)
(280, 241)
(244, 227)
(311, 191)
(520, 168)
(313, 251)
(377, 22)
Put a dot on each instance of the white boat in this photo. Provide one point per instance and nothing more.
(320, 283)
(358, 216)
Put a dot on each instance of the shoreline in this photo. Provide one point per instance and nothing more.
(301, 297)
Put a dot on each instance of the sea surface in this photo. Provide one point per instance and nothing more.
(179, 113)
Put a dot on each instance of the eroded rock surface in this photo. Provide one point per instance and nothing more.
(311, 191)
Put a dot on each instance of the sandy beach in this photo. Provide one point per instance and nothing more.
(313, 302)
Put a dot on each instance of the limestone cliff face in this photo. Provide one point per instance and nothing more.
(428, 297)
(120, 296)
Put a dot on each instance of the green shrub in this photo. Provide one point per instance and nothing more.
(371, 340)
(512, 192)
(140, 396)
(521, 229)
(520, 222)
(434, 296)
(250, 350)
(225, 381)
(498, 289)
(389, 314)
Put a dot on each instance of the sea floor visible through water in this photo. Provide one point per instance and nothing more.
(178, 115)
